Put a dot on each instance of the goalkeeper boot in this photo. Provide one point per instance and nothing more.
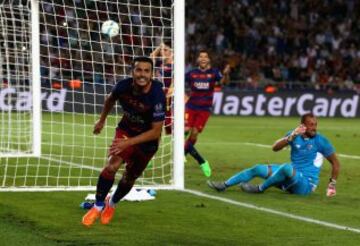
(107, 214)
(250, 188)
(218, 186)
(91, 216)
(205, 167)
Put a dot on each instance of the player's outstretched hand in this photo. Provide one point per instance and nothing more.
(119, 145)
(99, 125)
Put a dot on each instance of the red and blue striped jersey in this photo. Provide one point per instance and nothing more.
(202, 84)
(140, 110)
(166, 73)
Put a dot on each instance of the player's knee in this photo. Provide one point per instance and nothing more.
(113, 164)
(194, 134)
(260, 170)
(110, 170)
(287, 169)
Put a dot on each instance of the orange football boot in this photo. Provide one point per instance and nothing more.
(107, 214)
(90, 217)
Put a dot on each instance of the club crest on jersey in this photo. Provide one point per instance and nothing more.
(202, 85)
(158, 107)
(309, 146)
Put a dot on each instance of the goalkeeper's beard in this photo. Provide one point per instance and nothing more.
(310, 134)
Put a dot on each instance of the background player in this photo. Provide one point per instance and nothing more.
(163, 59)
(201, 81)
(301, 176)
(136, 139)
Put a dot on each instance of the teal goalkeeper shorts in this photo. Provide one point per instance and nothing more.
(298, 184)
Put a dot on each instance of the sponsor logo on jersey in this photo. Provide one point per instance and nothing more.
(134, 118)
(202, 85)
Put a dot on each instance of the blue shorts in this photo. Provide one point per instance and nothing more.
(298, 184)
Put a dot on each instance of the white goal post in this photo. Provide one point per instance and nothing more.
(57, 66)
(16, 52)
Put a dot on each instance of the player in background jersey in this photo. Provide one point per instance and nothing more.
(136, 139)
(201, 82)
(163, 59)
(301, 175)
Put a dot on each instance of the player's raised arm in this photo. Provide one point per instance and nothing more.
(226, 74)
(335, 169)
(280, 144)
(156, 52)
(283, 142)
(108, 106)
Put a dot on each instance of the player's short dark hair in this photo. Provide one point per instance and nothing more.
(305, 116)
(204, 51)
(142, 59)
(168, 43)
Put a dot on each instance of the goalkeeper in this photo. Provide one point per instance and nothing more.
(301, 176)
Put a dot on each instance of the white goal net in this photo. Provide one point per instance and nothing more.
(56, 66)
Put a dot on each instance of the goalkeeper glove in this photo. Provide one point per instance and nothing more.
(331, 190)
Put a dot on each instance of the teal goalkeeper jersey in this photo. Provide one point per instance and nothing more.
(307, 155)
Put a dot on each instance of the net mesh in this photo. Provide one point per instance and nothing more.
(78, 66)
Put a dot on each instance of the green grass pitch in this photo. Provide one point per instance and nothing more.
(230, 144)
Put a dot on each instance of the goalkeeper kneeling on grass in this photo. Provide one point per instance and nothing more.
(301, 175)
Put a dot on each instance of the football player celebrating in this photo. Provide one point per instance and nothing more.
(201, 81)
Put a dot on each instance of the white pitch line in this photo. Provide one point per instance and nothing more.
(269, 146)
(282, 127)
(272, 211)
(71, 163)
(84, 167)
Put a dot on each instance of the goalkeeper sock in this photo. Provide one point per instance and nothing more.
(122, 189)
(248, 174)
(105, 182)
(194, 153)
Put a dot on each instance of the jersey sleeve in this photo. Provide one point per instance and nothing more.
(325, 147)
(187, 82)
(187, 79)
(159, 106)
(218, 75)
(158, 63)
